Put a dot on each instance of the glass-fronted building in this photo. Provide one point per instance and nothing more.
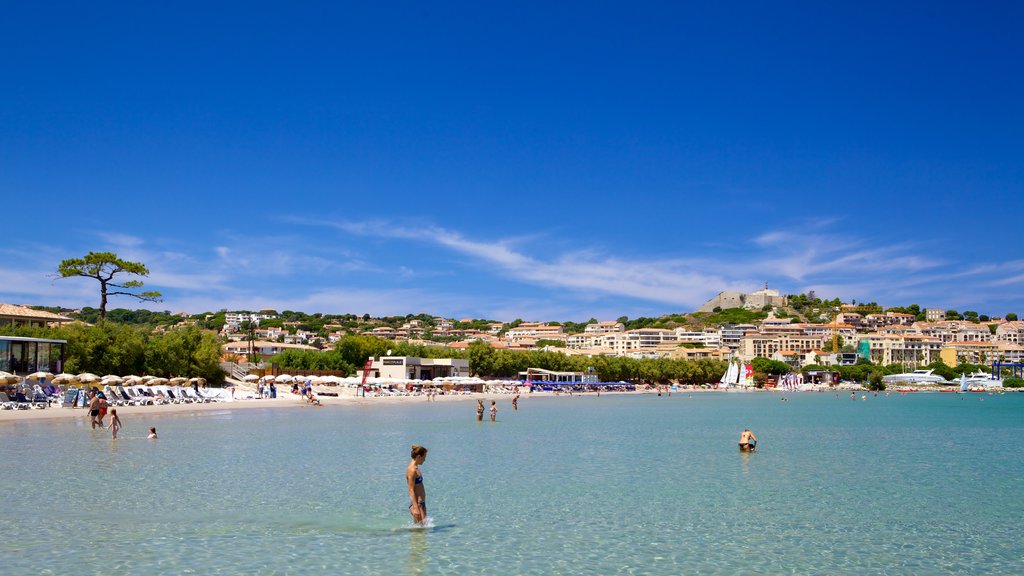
(26, 355)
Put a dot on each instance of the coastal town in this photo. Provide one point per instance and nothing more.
(828, 335)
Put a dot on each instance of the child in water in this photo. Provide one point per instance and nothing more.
(494, 410)
(115, 423)
(152, 433)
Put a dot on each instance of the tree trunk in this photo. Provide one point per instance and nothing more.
(103, 300)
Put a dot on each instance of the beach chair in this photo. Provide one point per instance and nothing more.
(192, 396)
(180, 392)
(6, 403)
(141, 394)
(21, 402)
(112, 397)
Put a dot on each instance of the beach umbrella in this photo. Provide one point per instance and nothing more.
(250, 378)
(8, 378)
(87, 378)
(197, 380)
(111, 379)
(177, 381)
(39, 376)
(157, 381)
(146, 378)
(63, 378)
(283, 378)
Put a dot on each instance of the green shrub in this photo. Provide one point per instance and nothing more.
(1013, 383)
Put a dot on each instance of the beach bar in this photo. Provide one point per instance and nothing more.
(20, 355)
(413, 368)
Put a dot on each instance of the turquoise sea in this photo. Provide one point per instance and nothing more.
(638, 484)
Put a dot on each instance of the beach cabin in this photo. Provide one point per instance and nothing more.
(23, 356)
(558, 378)
(413, 368)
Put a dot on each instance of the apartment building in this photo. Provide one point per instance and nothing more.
(934, 314)
(536, 330)
(1010, 332)
(907, 349)
(729, 335)
(769, 345)
(969, 353)
(235, 319)
(602, 327)
(954, 331)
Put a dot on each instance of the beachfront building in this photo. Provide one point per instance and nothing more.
(1010, 353)
(905, 349)
(23, 356)
(12, 315)
(679, 352)
(764, 345)
(969, 353)
(413, 368)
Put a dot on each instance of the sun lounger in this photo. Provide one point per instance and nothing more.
(6, 403)
(191, 395)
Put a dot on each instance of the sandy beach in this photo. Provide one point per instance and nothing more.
(285, 401)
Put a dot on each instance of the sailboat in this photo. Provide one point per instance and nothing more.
(731, 376)
(964, 387)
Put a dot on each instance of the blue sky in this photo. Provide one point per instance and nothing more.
(535, 160)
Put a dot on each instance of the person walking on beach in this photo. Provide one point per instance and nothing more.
(115, 423)
(494, 410)
(94, 409)
(414, 480)
(480, 410)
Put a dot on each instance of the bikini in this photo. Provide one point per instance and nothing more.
(423, 505)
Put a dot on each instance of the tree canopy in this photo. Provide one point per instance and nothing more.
(103, 267)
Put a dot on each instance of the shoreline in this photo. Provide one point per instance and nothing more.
(290, 401)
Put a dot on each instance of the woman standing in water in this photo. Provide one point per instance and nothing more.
(480, 410)
(414, 478)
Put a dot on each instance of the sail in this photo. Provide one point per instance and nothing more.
(963, 383)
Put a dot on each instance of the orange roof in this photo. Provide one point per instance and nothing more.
(26, 312)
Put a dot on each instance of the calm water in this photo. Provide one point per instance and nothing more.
(922, 484)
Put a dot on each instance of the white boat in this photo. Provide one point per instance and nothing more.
(731, 377)
(915, 377)
(982, 379)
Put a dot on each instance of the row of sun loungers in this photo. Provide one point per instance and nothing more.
(151, 395)
(25, 399)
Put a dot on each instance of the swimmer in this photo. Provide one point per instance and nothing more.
(414, 478)
(152, 433)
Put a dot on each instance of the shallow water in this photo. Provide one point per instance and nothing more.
(921, 484)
